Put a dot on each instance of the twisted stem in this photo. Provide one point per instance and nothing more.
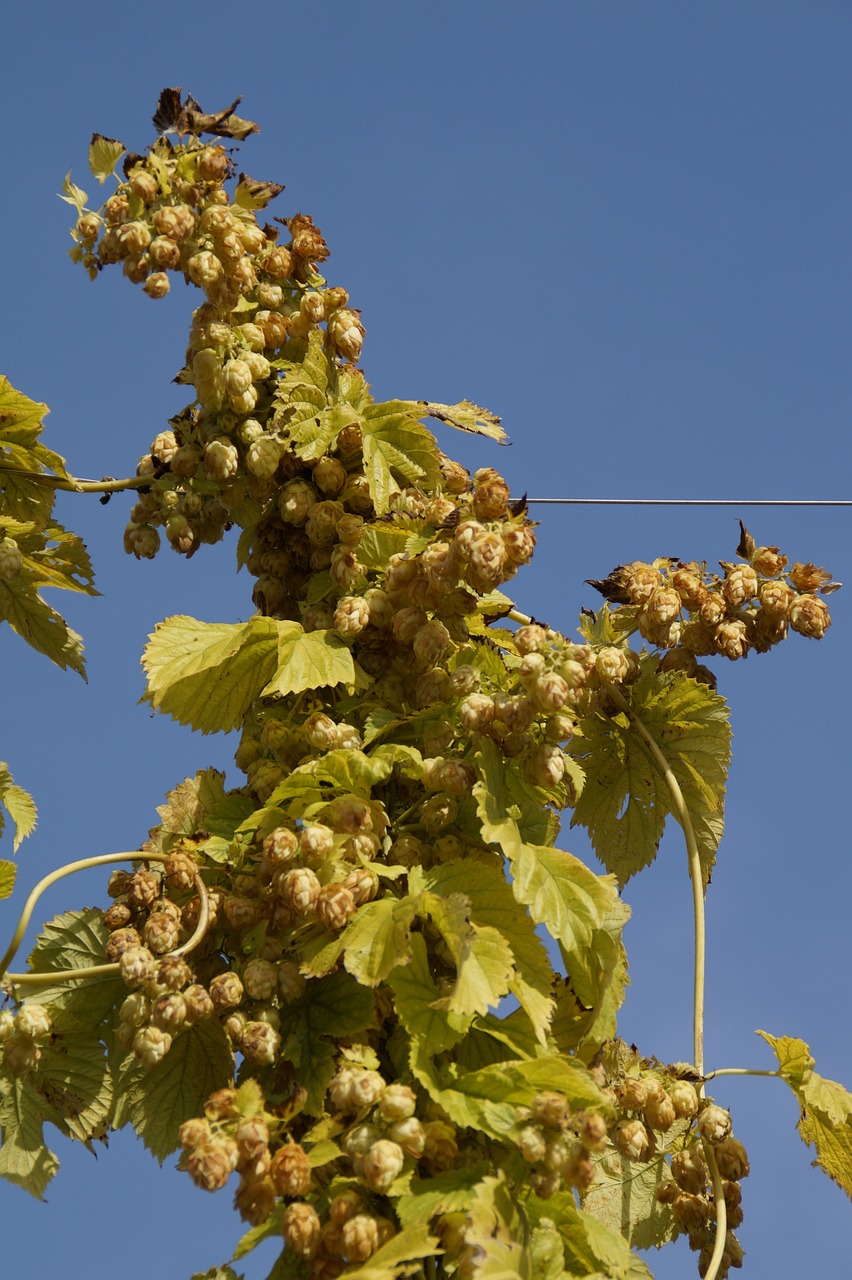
(91, 971)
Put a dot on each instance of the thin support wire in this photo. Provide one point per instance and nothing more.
(692, 502)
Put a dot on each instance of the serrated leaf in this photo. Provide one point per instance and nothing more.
(445, 1193)
(826, 1108)
(253, 194)
(485, 974)
(482, 957)
(189, 803)
(207, 674)
(561, 892)
(314, 433)
(20, 807)
(398, 451)
(308, 660)
(496, 1258)
(333, 1006)
(795, 1061)
(73, 1079)
(496, 1233)
(623, 1197)
(416, 997)
(25, 1160)
(199, 1061)
(625, 800)
(378, 543)
(466, 416)
(61, 560)
(378, 939)
(77, 940)
(8, 872)
(305, 390)
(493, 903)
(73, 195)
(590, 1247)
(23, 459)
(492, 1038)
(547, 1255)
(353, 771)
(488, 1099)
(42, 627)
(104, 155)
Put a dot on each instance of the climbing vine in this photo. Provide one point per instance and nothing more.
(327, 987)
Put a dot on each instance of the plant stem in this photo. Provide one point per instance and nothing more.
(741, 1071)
(683, 816)
(721, 1211)
(71, 484)
(91, 971)
(524, 620)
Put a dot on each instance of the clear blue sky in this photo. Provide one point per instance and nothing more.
(625, 228)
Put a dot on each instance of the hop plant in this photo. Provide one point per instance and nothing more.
(398, 743)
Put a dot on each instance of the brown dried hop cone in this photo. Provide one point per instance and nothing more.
(290, 1170)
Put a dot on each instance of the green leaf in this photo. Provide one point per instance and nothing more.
(73, 195)
(466, 417)
(8, 872)
(608, 626)
(547, 1254)
(207, 674)
(560, 890)
(488, 1099)
(380, 542)
(189, 805)
(199, 1061)
(482, 957)
(625, 800)
(42, 627)
(492, 1038)
(493, 903)
(308, 660)
(570, 900)
(104, 155)
(25, 1160)
(77, 940)
(409, 1245)
(795, 1062)
(330, 1007)
(591, 1248)
(315, 434)
(416, 1001)
(427, 1197)
(623, 1198)
(73, 1079)
(354, 772)
(253, 194)
(826, 1109)
(20, 807)
(59, 559)
(485, 972)
(497, 1233)
(398, 451)
(378, 940)
(254, 1236)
